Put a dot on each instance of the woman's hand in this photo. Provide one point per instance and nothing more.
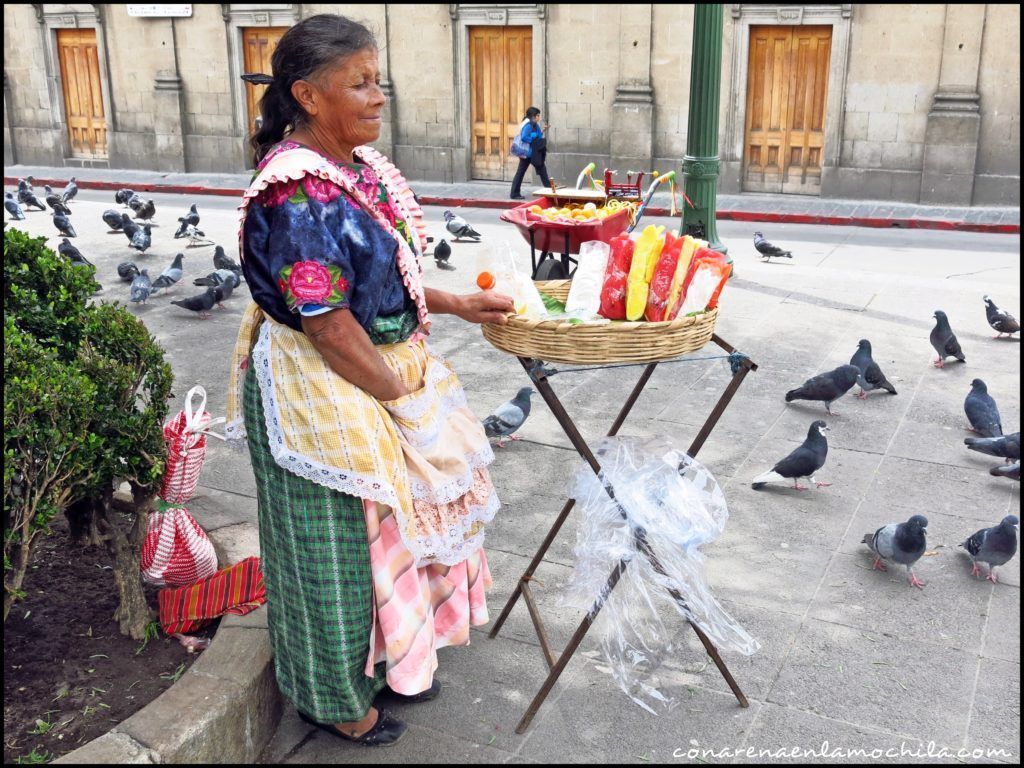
(484, 307)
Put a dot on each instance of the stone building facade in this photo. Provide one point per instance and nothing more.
(916, 103)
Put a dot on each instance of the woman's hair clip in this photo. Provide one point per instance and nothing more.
(257, 78)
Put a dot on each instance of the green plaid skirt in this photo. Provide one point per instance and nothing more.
(316, 566)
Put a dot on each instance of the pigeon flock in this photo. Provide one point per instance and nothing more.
(138, 231)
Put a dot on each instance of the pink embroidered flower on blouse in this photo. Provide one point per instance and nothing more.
(309, 281)
(278, 193)
(321, 190)
(342, 285)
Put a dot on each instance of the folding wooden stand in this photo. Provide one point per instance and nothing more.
(742, 365)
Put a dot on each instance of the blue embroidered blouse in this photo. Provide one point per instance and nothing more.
(309, 247)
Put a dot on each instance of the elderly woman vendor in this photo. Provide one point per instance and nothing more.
(371, 471)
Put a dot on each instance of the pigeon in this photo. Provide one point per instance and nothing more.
(146, 211)
(195, 236)
(56, 203)
(127, 271)
(141, 240)
(129, 227)
(72, 254)
(190, 218)
(1007, 447)
(136, 201)
(442, 252)
(122, 196)
(141, 287)
(223, 292)
(995, 546)
(220, 277)
(459, 227)
(27, 198)
(827, 387)
(767, 250)
(871, 376)
(509, 417)
(169, 276)
(1000, 320)
(981, 411)
(944, 340)
(112, 219)
(13, 208)
(30, 182)
(202, 303)
(222, 261)
(63, 225)
(803, 462)
(902, 543)
(1011, 471)
(70, 190)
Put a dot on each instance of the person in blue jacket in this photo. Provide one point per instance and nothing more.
(533, 135)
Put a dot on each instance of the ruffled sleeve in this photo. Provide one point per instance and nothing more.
(297, 264)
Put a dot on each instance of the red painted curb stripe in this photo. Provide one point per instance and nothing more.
(463, 202)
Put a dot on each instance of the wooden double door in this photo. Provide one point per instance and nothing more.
(501, 84)
(787, 84)
(79, 60)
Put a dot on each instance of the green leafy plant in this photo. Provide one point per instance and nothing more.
(173, 676)
(34, 758)
(152, 632)
(42, 726)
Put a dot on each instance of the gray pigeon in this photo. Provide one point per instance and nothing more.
(63, 225)
(219, 277)
(509, 417)
(27, 198)
(56, 203)
(944, 340)
(1011, 471)
(459, 227)
(72, 254)
(769, 251)
(142, 239)
(136, 201)
(871, 376)
(826, 387)
(122, 196)
(222, 261)
(141, 287)
(192, 217)
(146, 211)
(1000, 320)
(995, 546)
(202, 303)
(13, 208)
(195, 236)
(981, 411)
(127, 271)
(112, 219)
(70, 190)
(1007, 447)
(442, 252)
(803, 462)
(169, 276)
(129, 227)
(223, 292)
(902, 543)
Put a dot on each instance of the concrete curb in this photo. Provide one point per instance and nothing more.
(948, 225)
(225, 709)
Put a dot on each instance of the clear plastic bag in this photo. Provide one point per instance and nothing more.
(670, 504)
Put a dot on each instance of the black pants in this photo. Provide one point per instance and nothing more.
(536, 159)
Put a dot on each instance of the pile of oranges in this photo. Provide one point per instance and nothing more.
(576, 212)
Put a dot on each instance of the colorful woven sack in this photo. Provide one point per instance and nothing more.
(237, 589)
(177, 550)
(185, 437)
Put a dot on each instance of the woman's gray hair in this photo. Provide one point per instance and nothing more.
(305, 52)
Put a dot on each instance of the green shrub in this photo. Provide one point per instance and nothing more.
(48, 448)
(45, 294)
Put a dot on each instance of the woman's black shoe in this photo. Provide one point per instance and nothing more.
(431, 693)
(517, 197)
(384, 733)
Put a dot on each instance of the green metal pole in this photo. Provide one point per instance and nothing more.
(701, 163)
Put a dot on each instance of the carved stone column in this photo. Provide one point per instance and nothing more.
(954, 122)
(633, 109)
(170, 141)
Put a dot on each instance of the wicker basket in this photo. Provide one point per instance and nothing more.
(560, 341)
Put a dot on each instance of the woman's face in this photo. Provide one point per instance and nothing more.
(346, 101)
